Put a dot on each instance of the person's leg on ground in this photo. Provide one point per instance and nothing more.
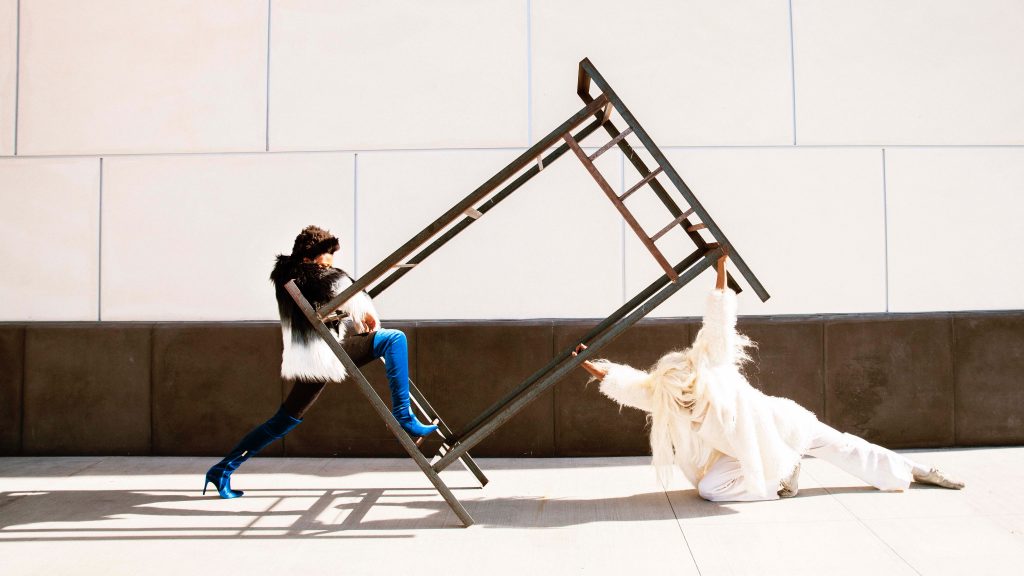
(724, 483)
(288, 416)
(878, 466)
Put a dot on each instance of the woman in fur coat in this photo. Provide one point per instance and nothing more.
(309, 361)
(733, 442)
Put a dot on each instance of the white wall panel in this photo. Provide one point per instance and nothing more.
(694, 73)
(8, 73)
(955, 232)
(121, 76)
(552, 249)
(371, 75)
(49, 238)
(194, 237)
(909, 72)
(808, 222)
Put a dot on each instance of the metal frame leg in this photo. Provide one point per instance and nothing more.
(378, 405)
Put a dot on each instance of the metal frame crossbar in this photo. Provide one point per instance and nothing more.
(599, 110)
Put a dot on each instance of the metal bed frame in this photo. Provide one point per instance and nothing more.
(456, 445)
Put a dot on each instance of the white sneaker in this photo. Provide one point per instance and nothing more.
(935, 477)
(791, 485)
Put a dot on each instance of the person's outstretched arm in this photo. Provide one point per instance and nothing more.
(717, 341)
(623, 384)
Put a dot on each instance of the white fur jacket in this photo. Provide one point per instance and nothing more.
(702, 407)
(306, 356)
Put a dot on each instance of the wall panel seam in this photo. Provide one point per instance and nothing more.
(267, 77)
(529, 72)
(99, 250)
(355, 215)
(824, 372)
(952, 357)
(792, 67)
(24, 379)
(17, 73)
(519, 149)
(885, 226)
(152, 367)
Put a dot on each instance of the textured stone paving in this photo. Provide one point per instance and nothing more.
(104, 515)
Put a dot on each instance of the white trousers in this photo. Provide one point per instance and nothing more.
(879, 467)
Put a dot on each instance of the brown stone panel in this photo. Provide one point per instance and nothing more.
(989, 352)
(466, 367)
(212, 383)
(788, 360)
(12, 354)
(891, 381)
(343, 422)
(589, 423)
(87, 389)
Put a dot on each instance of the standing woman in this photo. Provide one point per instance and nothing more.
(733, 442)
(309, 361)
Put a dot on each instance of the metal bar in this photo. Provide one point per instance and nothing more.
(378, 404)
(519, 403)
(670, 226)
(640, 184)
(583, 90)
(432, 414)
(483, 208)
(606, 91)
(448, 217)
(696, 227)
(596, 331)
(613, 142)
(626, 214)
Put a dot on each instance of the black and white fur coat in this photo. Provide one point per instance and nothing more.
(306, 356)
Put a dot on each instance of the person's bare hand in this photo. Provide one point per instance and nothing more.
(590, 366)
(370, 322)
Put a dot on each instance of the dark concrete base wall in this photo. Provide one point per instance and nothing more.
(195, 388)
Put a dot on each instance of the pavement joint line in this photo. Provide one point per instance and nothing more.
(872, 531)
(682, 531)
(87, 467)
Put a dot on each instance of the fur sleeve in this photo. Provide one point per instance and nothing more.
(626, 385)
(357, 307)
(718, 343)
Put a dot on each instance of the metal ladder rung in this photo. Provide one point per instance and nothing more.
(696, 227)
(613, 142)
(671, 225)
(639, 184)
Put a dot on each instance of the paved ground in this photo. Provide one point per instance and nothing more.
(537, 516)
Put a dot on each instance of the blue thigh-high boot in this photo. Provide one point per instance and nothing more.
(393, 348)
(259, 438)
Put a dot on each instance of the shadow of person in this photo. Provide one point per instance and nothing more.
(90, 514)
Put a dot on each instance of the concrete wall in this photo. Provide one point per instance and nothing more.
(913, 380)
(865, 157)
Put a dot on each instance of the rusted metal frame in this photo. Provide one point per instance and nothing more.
(670, 226)
(609, 145)
(583, 90)
(432, 415)
(507, 412)
(587, 68)
(595, 332)
(483, 209)
(626, 214)
(453, 213)
(378, 404)
(640, 184)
